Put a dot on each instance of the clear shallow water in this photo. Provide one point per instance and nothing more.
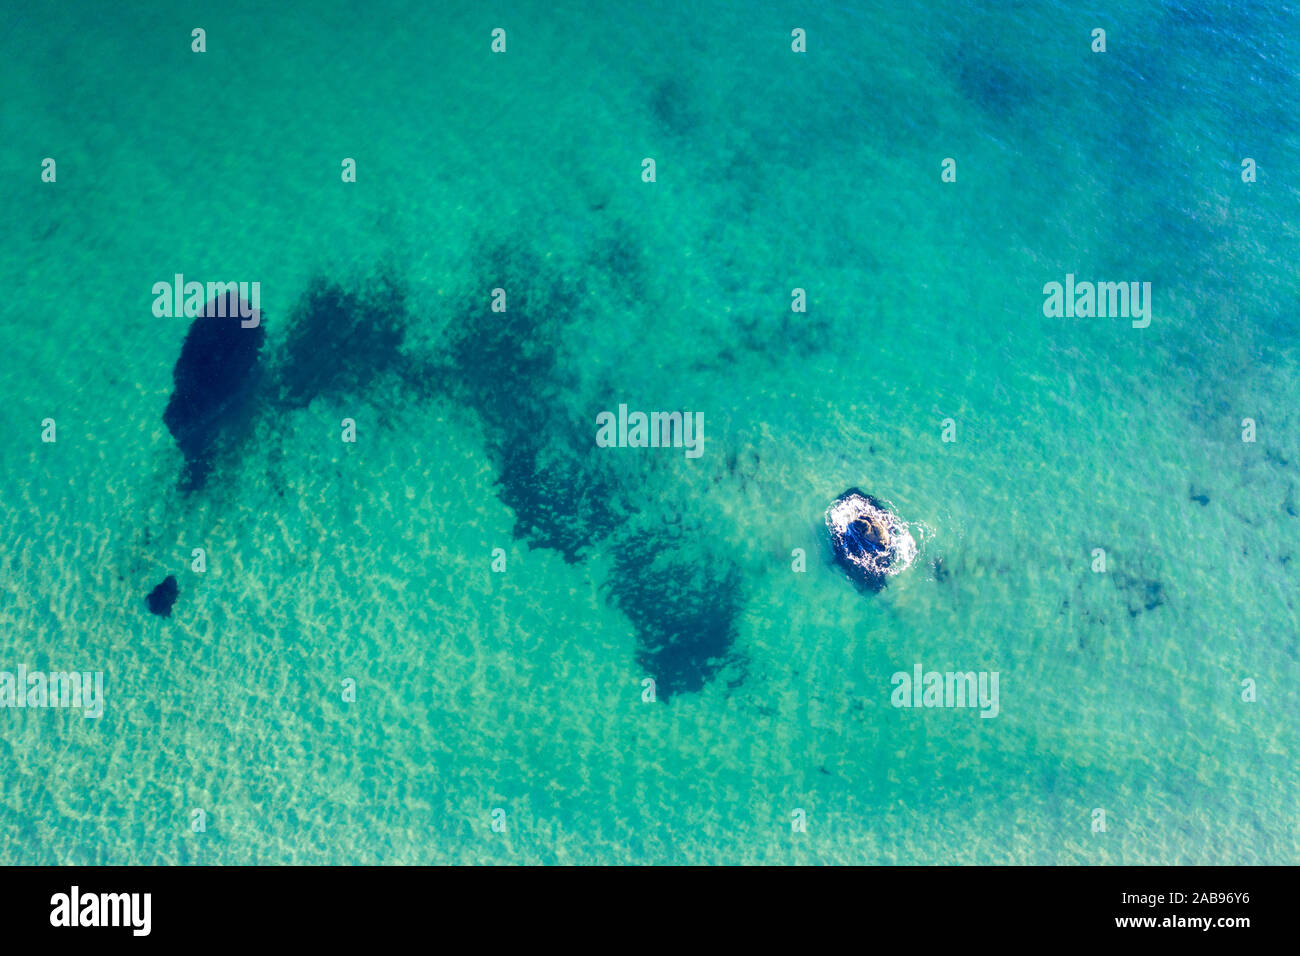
(522, 690)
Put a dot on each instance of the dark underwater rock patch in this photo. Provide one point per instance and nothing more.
(214, 378)
(163, 597)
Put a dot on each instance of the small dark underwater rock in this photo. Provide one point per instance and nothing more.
(163, 597)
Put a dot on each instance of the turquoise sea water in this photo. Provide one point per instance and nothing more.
(521, 690)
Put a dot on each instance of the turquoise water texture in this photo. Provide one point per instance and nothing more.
(522, 690)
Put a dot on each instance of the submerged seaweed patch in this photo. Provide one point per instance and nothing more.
(558, 500)
(509, 368)
(506, 366)
(339, 341)
(1140, 593)
(684, 609)
(503, 359)
(994, 83)
(670, 104)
